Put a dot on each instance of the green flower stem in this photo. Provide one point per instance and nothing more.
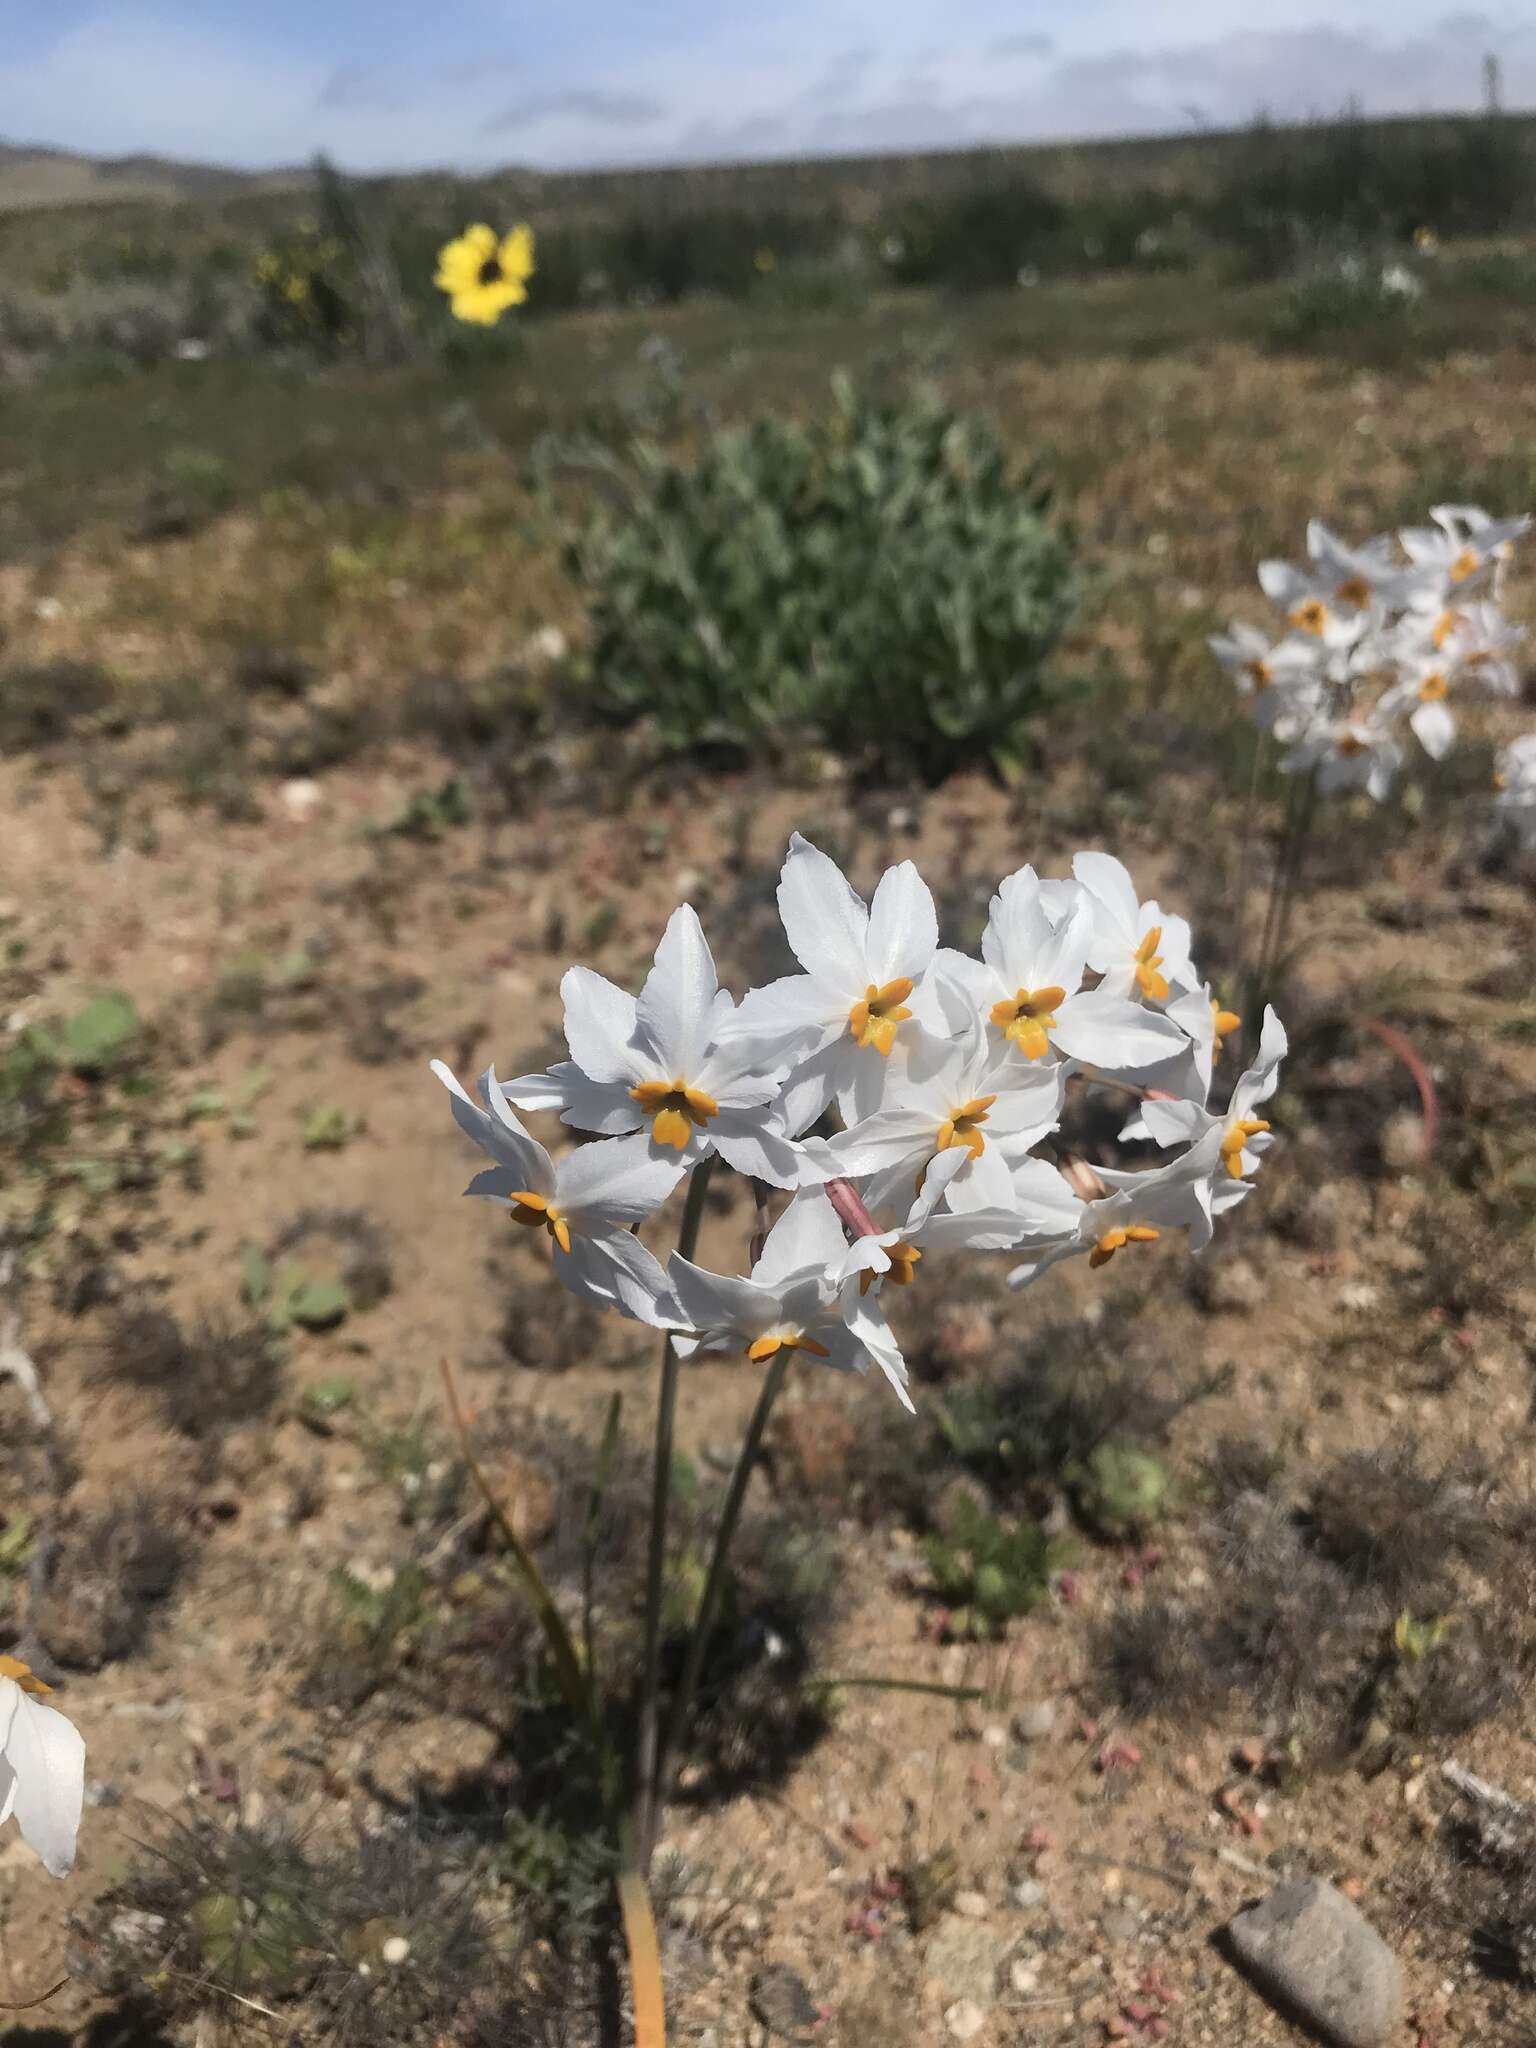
(646, 1755)
(714, 1586)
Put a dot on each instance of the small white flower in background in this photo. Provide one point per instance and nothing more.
(666, 1062)
(862, 967)
(1514, 778)
(42, 1768)
(586, 1203)
(1135, 1210)
(1379, 636)
(1347, 754)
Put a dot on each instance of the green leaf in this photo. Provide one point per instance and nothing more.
(100, 1033)
(318, 1304)
(329, 1396)
(327, 1129)
(255, 1274)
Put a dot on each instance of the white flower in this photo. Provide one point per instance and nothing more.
(585, 1203)
(843, 1015)
(42, 1768)
(953, 1094)
(1206, 1025)
(1484, 647)
(1338, 584)
(1243, 1137)
(1345, 754)
(1421, 697)
(668, 1062)
(1139, 950)
(803, 1295)
(1464, 545)
(1515, 779)
(1027, 986)
(892, 1256)
(1137, 1210)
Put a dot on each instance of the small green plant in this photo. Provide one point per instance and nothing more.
(1119, 1489)
(328, 1127)
(429, 813)
(1344, 296)
(989, 1570)
(97, 1037)
(289, 1296)
(878, 581)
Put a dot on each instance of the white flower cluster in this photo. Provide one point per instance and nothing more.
(1514, 777)
(947, 1074)
(1375, 638)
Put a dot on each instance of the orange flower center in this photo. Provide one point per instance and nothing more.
(1466, 564)
(963, 1126)
(1349, 744)
(1445, 626)
(1259, 673)
(762, 1348)
(904, 1258)
(1434, 687)
(1310, 616)
(1236, 1139)
(1112, 1240)
(1028, 1018)
(874, 1019)
(675, 1110)
(1354, 590)
(538, 1212)
(21, 1674)
(1153, 985)
(1223, 1022)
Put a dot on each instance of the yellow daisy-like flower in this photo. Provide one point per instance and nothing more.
(483, 275)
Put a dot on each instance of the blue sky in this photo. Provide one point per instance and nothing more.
(472, 83)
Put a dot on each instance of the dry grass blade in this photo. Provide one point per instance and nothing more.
(644, 1960)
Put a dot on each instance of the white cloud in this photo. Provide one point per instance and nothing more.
(792, 76)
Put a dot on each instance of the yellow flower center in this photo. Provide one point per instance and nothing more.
(962, 1128)
(762, 1348)
(21, 1674)
(1112, 1240)
(1223, 1023)
(1310, 616)
(1434, 687)
(1028, 1018)
(1236, 1138)
(1154, 986)
(1466, 564)
(904, 1258)
(873, 1020)
(676, 1110)
(1354, 590)
(1445, 626)
(538, 1212)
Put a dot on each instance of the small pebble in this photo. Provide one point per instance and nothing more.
(972, 1905)
(964, 2019)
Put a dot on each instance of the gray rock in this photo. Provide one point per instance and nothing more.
(1121, 1923)
(1314, 1954)
(780, 1999)
(1035, 1720)
(964, 2020)
(1027, 1893)
(964, 1955)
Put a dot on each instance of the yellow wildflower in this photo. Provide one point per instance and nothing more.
(483, 276)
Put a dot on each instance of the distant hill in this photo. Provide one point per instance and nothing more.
(32, 176)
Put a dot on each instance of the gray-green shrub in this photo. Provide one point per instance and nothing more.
(878, 581)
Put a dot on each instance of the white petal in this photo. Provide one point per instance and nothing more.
(884, 1141)
(606, 1107)
(1109, 884)
(756, 1146)
(46, 1757)
(623, 1179)
(548, 1089)
(1434, 728)
(806, 1094)
(500, 1135)
(1115, 1035)
(783, 1018)
(903, 927)
(985, 1183)
(824, 919)
(1176, 1123)
(599, 1025)
(613, 1270)
(720, 1302)
(675, 1011)
(808, 1234)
